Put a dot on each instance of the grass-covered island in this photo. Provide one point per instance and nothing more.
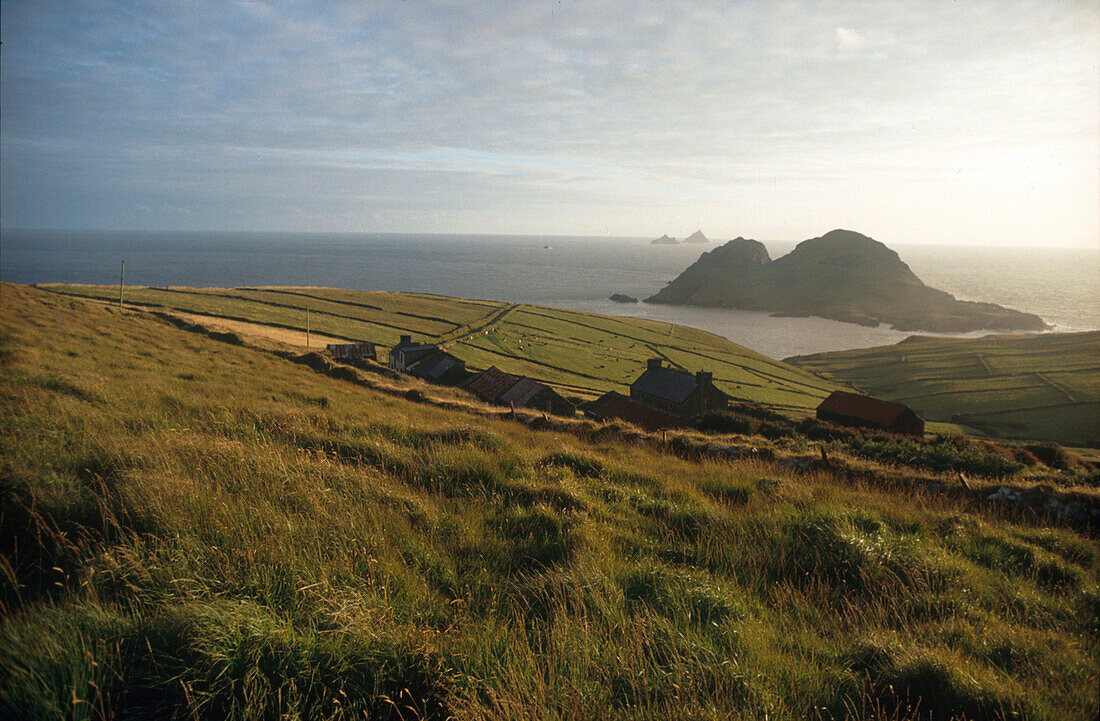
(842, 275)
(203, 528)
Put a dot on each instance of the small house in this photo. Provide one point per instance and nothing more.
(361, 350)
(405, 353)
(676, 391)
(615, 406)
(850, 409)
(440, 367)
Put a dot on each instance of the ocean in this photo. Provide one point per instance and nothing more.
(1059, 284)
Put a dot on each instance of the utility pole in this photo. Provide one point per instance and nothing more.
(121, 281)
(307, 329)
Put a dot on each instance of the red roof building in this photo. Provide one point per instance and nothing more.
(490, 385)
(496, 386)
(855, 410)
(616, 406)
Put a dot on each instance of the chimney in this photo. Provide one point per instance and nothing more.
(653, 364)
(704, 379)
(405, 339)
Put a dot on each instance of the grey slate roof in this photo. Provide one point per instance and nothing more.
(434, 366)
(407, 347)
(668, 383)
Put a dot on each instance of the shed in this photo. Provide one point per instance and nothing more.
(360, 350)
(616, 406)
(851, 409)
(490, 385)
(496, 386)
(529, 393)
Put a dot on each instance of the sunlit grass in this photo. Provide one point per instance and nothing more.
(583, 354)
(194, 529)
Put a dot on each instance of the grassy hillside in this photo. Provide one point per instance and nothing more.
(583, 354)
(1033, 386)
(192, 529)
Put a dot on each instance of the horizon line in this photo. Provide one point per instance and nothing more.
(710, 241)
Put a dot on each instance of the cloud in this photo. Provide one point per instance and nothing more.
(848, 39)
(491, 105)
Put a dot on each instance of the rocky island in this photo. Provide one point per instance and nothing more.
(843, 275)
(664, 240)
(696, 237)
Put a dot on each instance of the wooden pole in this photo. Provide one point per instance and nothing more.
(121, 282)
(307, 329)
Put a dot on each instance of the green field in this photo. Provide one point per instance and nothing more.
(1044, 387)
(583, 354)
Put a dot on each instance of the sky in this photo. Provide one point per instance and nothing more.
(913, 122)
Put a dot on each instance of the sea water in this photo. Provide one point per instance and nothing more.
(1059, 284)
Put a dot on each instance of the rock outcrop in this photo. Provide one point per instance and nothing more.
(842, 275)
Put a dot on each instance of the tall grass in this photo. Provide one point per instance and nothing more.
(196, 530)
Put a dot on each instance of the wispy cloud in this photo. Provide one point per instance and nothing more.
(493, 113)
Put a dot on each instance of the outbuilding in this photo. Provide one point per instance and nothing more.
(360, 350)
(615, 406)
(440, 367)
(851, 409)
(496, 386)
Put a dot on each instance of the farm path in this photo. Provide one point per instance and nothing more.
(493, 320)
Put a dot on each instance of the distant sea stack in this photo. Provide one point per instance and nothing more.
(623, 298)
(664, 240)
(696, 237)
(842, 275)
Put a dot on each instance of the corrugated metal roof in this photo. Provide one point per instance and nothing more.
(616, 405)
(491, 384)
(522, 391)
(361, 349)
(863, 407)
(668, 383)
